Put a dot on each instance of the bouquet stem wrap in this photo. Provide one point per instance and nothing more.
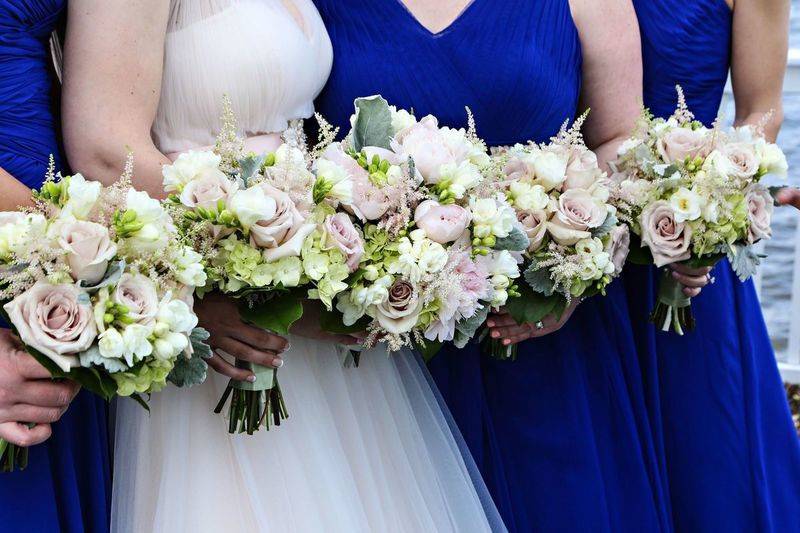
(256, 403)
(496, 348)
(673, 309)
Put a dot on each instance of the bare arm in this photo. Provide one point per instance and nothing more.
(15, 193)
(113, 61)
(612, 72)
(758, 60)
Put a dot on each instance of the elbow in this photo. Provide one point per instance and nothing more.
(100, 159)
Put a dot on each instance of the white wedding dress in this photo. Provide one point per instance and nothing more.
(364, 449)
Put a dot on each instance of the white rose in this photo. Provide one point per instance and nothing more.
(550, 169)
(188, 167)
(773, 160)
(251, 205)
(582, 169)
(679, 143)
(281, 230)
(89, 249)
(207, 189)
(577, 212)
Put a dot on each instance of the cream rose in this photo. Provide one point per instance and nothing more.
(759, 205)
(399, 313)
(55, 320)
(668, 240)
(207, 189)
(577, 211)
(582, 169)
(341, 234)
(281, 232)
(89, 249)
(441, 223)
(138, 294)
(679, 143)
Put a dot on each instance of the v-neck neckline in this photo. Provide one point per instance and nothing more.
(402, 5)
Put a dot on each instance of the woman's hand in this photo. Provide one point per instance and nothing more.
(219, 314)
(692, 279)
(503, 327)
(28, 395)
(309, 326)
(789, 196)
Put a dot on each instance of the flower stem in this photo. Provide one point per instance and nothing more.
(673, 309)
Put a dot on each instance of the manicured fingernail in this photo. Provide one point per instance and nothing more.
(251, 378)
(490, 323)
(286, 347)
(506, 342)
(277, 362)
(675, 274)
(495, 334)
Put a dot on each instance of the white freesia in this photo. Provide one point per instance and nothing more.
(528, 197)
(156, 229)
(177, 315)
(187, 167)
(334, 180)
(401, 119)
(111, 344)
(459, 177)
(82, 196)
(137, 345)
(492, 216)
(19, 231)
(189, 268)
(687, 205)
(418, 256)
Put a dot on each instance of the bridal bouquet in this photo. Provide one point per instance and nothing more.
(99, 290)
(573, 244)
(693, 195)
(270, 234)
(428, 256)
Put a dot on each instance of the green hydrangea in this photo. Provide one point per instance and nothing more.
(149, 377)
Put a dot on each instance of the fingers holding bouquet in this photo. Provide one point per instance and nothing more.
(692, 279)
(503, 327)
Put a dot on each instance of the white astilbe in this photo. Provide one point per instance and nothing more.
(229, 146)
(326, 136)
(572, 135)
(682, 113)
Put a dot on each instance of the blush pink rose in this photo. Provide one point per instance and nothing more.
(441, 223)
(89, 249)
(534, 224)
(340, 233)
(619, 244)
(207, 189)
(759, 206)
(399, 313)
(668, 240)
(138, 294)
(55, 320)
(679, 143)
(577, 211)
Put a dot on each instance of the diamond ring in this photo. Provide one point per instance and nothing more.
(540, 325)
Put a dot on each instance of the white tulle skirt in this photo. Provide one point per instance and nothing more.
(364, 449)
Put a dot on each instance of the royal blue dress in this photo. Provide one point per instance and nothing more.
(717, 403)
(560, 435)
(66, 487)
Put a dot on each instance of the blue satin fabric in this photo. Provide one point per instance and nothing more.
(718, 410)
(66, 487)
(560, 435)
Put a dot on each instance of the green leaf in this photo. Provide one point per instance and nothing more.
(332, 322)
(466, 329)
(276, 315)
(193, 370)
(516, 241)
(638, 254)
(744, 260)
(603, 229)
(373, 124)
(91, 379)
(249, 165)
(429, 349)
(531, 306)
(703, 261)
(539, 279)
(141, 401)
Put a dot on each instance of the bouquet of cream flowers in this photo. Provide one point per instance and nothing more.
(99, 289)
(693, 195)
(270, 234)
(432, 262)
(573, 244)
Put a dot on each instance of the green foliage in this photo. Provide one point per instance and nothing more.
(603, 229)
(332, 322)
(744, 260)
(373, 124)
(532, 307)
(466, 329)
(192, 371)
(276, 315)
(516, 241)
(539, 279)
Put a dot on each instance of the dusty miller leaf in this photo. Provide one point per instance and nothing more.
(467, 328)
(516, 241)
(744, 260)
(249, 165)
(192, 370)
(603, 229)
(113, 273)
(373, 124)
(539, 279)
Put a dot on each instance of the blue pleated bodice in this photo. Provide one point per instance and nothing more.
(66, 487)
(27, 125)
(517, 67)
(722, 427)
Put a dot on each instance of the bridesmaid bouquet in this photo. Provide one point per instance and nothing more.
(434, 255)
(574, 245)
(693, 195)
(98, 288)
(270, 234)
